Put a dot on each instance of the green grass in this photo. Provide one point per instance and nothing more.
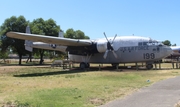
(48, 87)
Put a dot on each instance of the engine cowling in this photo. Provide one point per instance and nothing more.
(101, 45)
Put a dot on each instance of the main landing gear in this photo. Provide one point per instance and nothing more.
(84, 65)
(85, 62)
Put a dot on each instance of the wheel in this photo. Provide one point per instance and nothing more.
(82, 65)
(149, 66)
(87, 65)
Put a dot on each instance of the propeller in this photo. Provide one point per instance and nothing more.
(110, 47)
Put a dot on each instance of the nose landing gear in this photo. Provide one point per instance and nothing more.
(149, 66)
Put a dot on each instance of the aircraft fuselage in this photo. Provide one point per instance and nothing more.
(128, 49)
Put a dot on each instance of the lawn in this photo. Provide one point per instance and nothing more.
(34, 86)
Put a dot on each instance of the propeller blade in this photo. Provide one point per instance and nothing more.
(115, 55)
(110, 47)
(106, 37)
(114, 38)
(105, 54)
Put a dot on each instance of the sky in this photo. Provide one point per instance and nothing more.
(157, 19)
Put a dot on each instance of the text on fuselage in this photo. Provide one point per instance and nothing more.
(134, 48)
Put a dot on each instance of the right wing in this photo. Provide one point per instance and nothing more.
(50, 39)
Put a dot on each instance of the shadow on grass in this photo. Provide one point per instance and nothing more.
(91, 69)
(50, 73)
(71, 71)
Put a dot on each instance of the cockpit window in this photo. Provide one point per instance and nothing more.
(150, 43)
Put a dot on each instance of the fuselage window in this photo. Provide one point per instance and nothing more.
(144, 43)
(140, 44)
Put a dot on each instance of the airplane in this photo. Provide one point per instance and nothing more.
(111, 50)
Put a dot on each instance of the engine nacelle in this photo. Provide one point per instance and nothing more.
(102, 45)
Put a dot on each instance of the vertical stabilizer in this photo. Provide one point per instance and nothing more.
(28, 30)
(28, 43)
(61, 34)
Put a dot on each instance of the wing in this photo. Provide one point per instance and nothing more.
(50, 39)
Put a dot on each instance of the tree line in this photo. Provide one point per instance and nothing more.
(37, 26)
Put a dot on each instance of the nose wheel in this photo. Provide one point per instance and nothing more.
(84, 65)
(149, 66)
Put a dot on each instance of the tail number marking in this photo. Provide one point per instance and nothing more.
(148, 55)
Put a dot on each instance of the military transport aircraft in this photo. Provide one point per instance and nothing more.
(113, 50)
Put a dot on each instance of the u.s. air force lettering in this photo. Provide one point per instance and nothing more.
(134, 48)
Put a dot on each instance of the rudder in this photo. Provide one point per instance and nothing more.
(28, 43)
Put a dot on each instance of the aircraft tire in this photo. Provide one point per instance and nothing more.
(87, 65)
(84, 65)
(149, 66)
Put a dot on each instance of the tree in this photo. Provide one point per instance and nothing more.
(48, 27)
(78, 34)
(70, 33)
(167, 42)
(174, 44)
(17, 24)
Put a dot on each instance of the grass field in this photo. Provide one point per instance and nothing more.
(43, 86)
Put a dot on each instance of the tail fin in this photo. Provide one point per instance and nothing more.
(28, 43)
(61, 34)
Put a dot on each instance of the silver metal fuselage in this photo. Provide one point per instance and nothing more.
(129, 50)
(126, 56)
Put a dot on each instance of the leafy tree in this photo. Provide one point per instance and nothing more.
(167, 42)
(51, 28)
(70, 33)
(48, 27)
(17, 24)
(174, 44)
(3, 55)
(78, 34)
(86, 37)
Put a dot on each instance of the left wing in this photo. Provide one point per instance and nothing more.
(50, 39)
